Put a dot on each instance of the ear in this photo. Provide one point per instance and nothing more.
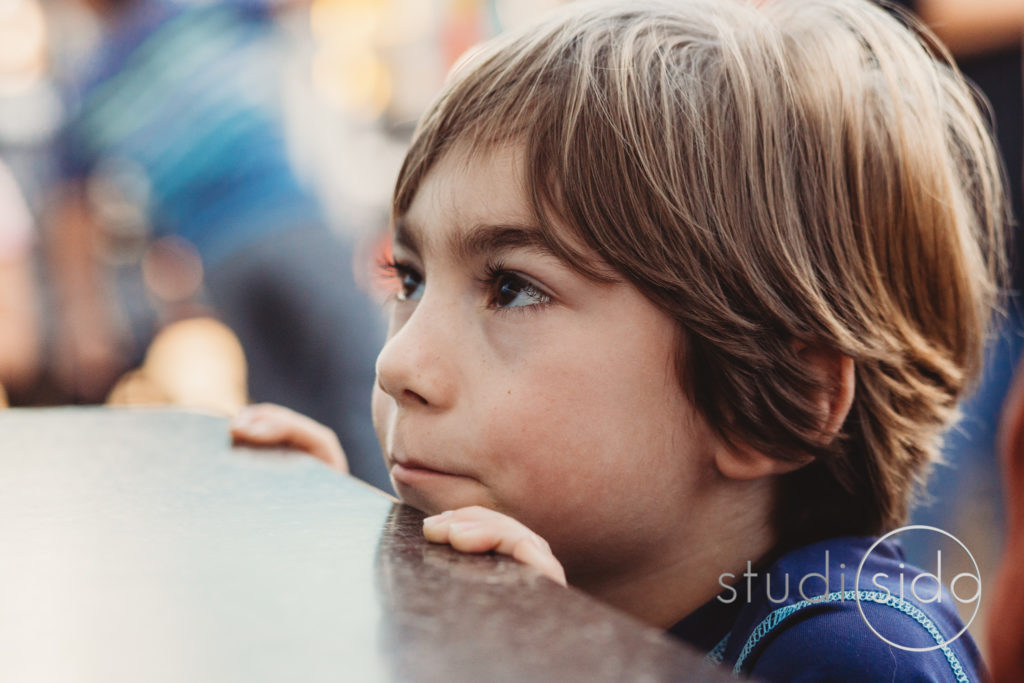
(836, 375)
(744, 463)
(837, 379)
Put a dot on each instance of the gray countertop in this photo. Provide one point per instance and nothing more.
(138, 545)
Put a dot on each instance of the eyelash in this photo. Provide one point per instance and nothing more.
(494, 271)
(393, 271)
(388, 267)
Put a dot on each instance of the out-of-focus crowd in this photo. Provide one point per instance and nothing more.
(192, 194)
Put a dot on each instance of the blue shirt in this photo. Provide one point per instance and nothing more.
(763, 625)
(185, 97)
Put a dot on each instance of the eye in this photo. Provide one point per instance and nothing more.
(410, 283)
(408, 279)
(514, 291)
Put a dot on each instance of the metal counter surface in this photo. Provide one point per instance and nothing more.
(138, 545)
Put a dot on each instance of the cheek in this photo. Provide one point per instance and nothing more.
(561, 433)
(382, 407)
(557, 431)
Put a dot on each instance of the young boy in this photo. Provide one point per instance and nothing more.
(686, 296)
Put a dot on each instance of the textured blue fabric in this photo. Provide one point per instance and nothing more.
(775, 634)
(186, 94)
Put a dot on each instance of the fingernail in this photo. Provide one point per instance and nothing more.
(437, 519)
(461, 527)
(259, 429)
(242, 419)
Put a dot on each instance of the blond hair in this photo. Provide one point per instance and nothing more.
(802, 172)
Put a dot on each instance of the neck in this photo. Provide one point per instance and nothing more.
(680, 572)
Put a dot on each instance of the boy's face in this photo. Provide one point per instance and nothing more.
(511, 381)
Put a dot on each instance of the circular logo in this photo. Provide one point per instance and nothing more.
(976, 598)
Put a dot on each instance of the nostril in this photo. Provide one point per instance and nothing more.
(410, 394)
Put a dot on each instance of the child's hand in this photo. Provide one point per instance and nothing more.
(266, 424)
(479, 530)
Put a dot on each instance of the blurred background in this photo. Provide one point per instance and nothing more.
(966, 494)
(193, 195)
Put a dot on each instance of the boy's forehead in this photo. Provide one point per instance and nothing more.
(476, 200)
(471, 184)
(467, 241)
(472, 199)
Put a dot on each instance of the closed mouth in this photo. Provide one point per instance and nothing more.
(415, 465)
(406, 468)
(407, 465)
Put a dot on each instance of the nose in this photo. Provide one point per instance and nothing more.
(416, 367)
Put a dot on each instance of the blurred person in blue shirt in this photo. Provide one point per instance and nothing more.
(176, 122)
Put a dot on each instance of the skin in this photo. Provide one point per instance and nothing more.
(1006, 614)
(977, 26)
(266, 424)
(19, 324)
(537, 414)
(90, 346)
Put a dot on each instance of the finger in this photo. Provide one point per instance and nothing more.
(272, 425)
(495, 534)
(479, 530)
(535, 553)
(506, 537)
(435, 529)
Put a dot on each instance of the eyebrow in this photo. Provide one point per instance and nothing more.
(482, 239)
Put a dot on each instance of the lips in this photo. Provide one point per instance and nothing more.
(414, 464)
(409, 462)
(413, 476)
(420, 465)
